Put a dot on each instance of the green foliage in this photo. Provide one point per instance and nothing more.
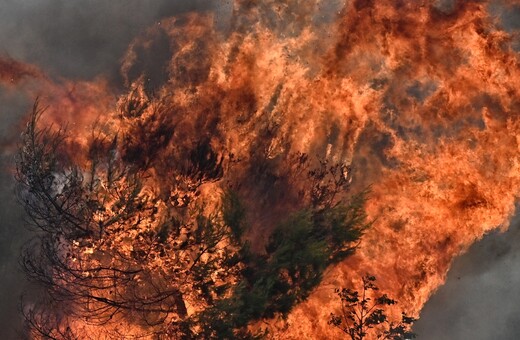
(341, 226)
(296, 255)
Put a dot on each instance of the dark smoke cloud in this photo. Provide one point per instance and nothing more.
(77, 38)
(12, 232)
(11, 238)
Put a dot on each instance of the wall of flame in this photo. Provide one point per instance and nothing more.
(421, 97)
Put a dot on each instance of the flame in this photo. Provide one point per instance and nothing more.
(12, 72)
(419, 96)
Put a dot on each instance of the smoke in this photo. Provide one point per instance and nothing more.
(80, 39)
(12, 232)
(393, 87)
(480, 298)
(11, 238)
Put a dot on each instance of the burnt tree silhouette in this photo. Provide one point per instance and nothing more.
(106, 247)
(363, 314)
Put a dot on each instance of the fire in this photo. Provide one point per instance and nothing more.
(420, 97)
(12, 71)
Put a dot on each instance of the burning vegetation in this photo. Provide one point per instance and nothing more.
(124, 250)
(223, 193)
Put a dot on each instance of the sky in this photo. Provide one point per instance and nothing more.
(79, 39)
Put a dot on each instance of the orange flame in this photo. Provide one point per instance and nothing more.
(420, 97)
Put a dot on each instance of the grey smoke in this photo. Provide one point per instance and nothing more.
(480, 300)
(509, 17)
(12, 231)
(80, 38)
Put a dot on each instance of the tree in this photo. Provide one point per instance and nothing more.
(127, 247)
(108, 248)
(363, 314)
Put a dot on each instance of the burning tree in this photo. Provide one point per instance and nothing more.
(125, 247)
(363, 315)
(108, 247)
